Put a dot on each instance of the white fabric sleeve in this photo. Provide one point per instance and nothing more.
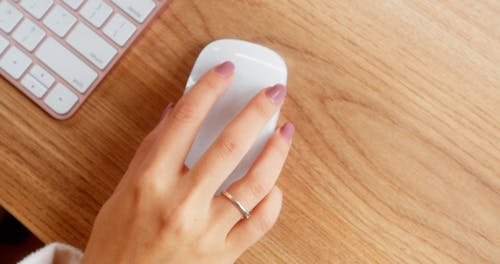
(54, 253)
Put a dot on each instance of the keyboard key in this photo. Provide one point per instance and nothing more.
(15, 62)
(96, 12)
(91, 45)
(9, 16)
(119, 29)
(4, 43)
(36, 8)
(59, 20)
(75, 4)
(137, 9)
(42, 76)
(33, 86)
(28, 34)
(66, 43)
(61, 99)
(70, 68)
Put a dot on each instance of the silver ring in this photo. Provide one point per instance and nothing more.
(243, 210)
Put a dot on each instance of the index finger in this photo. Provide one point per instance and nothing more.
(177, 135)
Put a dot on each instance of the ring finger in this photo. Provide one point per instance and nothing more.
(259, 181)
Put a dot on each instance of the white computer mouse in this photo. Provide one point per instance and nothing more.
(257, 67)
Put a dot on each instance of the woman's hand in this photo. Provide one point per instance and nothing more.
(162, 212)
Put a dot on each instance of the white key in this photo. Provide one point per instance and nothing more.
(119, 29)
(75, 4)
(137, 9)
(33, 86)
(42, 76)
(28, 34)
(61, 99)
(91, 45)
(9, 16)
(36, 8)
(4, 43)
(66, 64)
(15, 62)
(96, 12)
(59, 20)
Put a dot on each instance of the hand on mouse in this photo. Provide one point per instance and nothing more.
(162, 212)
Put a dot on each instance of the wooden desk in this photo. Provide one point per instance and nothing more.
(397, 105)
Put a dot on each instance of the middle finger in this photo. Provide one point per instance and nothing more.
(236, 139)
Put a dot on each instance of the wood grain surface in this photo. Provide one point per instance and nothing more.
(397, 107)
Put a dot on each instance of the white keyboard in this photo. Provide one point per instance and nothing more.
(57, 51)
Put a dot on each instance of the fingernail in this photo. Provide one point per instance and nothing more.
(276, 93)
(225, 69)
(167, 110)
(287, 132)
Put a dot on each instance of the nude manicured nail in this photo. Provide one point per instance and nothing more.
(167, 110)
(287, 131)
(276, 93)
(225, 69)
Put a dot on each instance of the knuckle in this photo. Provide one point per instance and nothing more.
(278, 149)
(211, 83)
(228, 146)
(260, 108)
(182, 220)
(147, 186)
(178, 220)
(264, 223)
(187, 112)
(257, 190)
